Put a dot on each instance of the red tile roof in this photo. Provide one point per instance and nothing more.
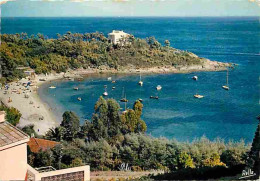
(37, 144)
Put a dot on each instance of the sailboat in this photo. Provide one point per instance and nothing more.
(198, 96)
(125, 111)
(140, 81)
(226, 87)
(105, 93)
(123, 98)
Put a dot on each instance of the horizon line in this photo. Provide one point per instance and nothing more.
(126, 16)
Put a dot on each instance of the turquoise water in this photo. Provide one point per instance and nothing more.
(225, 114)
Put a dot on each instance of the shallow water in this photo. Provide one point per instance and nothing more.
(225, 114)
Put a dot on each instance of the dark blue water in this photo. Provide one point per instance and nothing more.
(225, 114)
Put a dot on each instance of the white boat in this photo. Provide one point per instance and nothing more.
(158, 87)
(154, 97)
(105, 93)
(76, 88)
(52, 87)
(140, 81)
(226, 87)
(79, 98)
(109, 78)
(198, 96)
(195, 77)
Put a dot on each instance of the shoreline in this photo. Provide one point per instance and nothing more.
(41, 114)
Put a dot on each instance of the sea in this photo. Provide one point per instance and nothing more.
(229, 115)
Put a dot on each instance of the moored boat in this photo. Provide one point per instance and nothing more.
(141, 100)
(198, 96)
(226, 87)
(154, 97)
(123, 99)
(52, 87)
(195, 77)
(140, 81)
(158, 87)
(105, 93)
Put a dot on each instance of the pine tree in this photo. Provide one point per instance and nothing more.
(71, 124)
(254, 160)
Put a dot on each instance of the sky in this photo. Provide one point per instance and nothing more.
(94, 8)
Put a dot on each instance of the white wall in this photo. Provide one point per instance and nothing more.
(13, 163)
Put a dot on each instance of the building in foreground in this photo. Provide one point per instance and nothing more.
(13, 157)
(13, 151)
(116, 36)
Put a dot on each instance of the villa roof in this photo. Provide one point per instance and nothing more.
(37, 144)
(9, 135)
(118, 32)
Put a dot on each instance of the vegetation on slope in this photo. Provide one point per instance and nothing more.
(13, 115)
(113, 138)
(85, 50)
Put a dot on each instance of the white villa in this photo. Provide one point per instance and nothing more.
(116, 35)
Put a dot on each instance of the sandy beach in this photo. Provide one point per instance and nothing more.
(37, 112)
(26, 100)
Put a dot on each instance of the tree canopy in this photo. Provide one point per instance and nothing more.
(13, 115)
(71, 124)
(93, 50)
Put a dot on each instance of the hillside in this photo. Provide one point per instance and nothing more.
(92, 51)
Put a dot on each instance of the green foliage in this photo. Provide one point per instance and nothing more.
(29, 129)
(13, 115)
(235, 154)
(70, 51)
(109, 123)
(71, 124)
(55, 134)
(77, 162)
(112, 138)
(203, 149)
(254, 160)
(204, 173)
(167, 43)
(185, 161)
(213, 161)
(42, 158)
